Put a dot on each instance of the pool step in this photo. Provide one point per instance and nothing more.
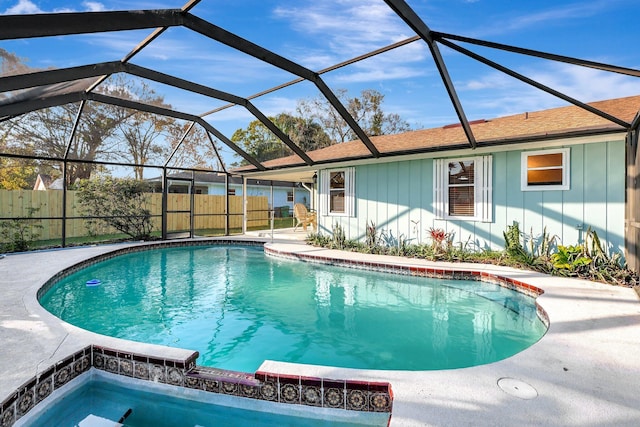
(96, 421)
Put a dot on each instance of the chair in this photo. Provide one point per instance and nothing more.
(304, 217)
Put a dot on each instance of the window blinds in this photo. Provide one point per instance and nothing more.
(458, 195)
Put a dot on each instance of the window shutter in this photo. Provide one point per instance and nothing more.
(350, 191)
(484, 186)
(324, 192)
(439, 187)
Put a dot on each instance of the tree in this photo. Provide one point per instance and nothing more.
(306, 134)
(11, 64)
(319, 125)
(258, 142)
(104, 132)
(48, 131)
(150, 137)
(139, 133)
(144, 134)
(366, 111)
(261, 143)
(17, 174)
(196, 150)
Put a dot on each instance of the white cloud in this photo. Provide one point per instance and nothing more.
(496, 94)
(115, 42)
(376, 74)
(401, 63)
(587, 84)
(232, 114)
(560, 15)
(490, 81)
(93, 6)
(359, 20)
(274, 104)
(23, 7)
(349, 28)
(359, 27)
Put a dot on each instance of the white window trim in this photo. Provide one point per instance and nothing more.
(483, 189)
(349, 192)
(524, 185)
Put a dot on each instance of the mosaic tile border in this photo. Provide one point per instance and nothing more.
(326, 392)
(38, 388)
(286, 389)
(410, 270)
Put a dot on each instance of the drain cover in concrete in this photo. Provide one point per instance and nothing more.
(517, 388)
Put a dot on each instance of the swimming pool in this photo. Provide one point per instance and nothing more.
(101, 399)
(238, 307)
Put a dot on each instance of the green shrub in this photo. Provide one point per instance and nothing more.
(372, 239)
(588, 261)
(570, 260)
(318, 239)
(118, 203)
(18, 233)
(513, 245)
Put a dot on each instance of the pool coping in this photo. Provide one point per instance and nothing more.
(581, 369)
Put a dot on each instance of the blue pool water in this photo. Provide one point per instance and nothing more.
(103, 402)
(238, 307)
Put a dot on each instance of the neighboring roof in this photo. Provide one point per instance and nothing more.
(216, 178)
(524, 127)
(46, 182)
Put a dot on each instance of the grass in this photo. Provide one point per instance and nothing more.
(278, 223)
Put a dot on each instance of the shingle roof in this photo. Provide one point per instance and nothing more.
(531, 125)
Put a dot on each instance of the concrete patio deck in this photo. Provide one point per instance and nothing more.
(280, 234)
(583, 372)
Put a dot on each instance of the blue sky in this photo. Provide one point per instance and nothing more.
(318, 34)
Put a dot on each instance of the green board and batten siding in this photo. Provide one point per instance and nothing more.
(398, 198)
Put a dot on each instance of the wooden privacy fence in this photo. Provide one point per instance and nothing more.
(209, 212)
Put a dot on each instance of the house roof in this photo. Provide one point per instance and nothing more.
(526, 126)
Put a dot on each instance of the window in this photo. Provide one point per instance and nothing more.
(545, 170)
(337, 191)
(462, 188)
(289, 196)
